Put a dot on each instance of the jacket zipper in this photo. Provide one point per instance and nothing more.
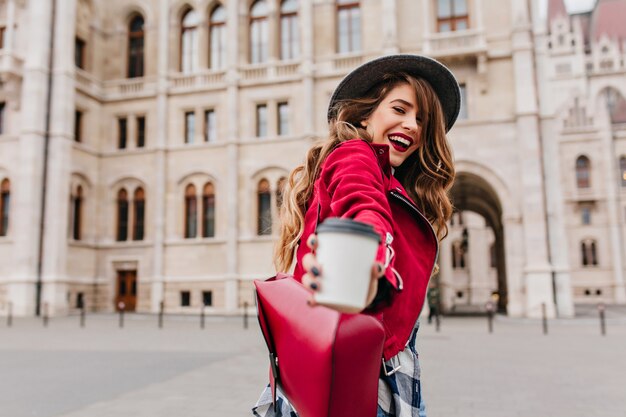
(410, 204)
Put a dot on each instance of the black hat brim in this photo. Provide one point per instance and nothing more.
(358, 82)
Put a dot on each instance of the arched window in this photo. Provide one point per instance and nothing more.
(139, 204)
(5, 197)
(135, 47)
(458, 255)
(217, 38)
(452, 15)
(280, 188)
(77, 210)
(264, 207)
(289, 31)
(622, 169)
(616, 105)
(588, 252)
(208, 210)
(258, 32)
(348, 26)
(122, 215)
(189, 41)
(583, 172)
(191, 212)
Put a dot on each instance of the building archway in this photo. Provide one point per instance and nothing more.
(473, 267)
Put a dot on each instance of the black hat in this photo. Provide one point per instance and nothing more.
(363, 78)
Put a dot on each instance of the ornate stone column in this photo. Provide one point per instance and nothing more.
(611, 184)
(537, 268)
(553, 186)
(556, 224)
(157, 288)
(62, 108)
(28, 184)
(231, 290)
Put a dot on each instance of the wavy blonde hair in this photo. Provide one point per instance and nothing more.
(427, 174)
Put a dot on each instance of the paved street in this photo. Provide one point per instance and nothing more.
(182, 371)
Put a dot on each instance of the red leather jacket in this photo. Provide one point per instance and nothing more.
(356, 182)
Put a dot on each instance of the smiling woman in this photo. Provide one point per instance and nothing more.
(386, 163)
(396, 122)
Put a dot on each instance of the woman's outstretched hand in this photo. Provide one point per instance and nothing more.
(314, 276)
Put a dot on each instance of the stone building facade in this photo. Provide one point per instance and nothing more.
(154, 136)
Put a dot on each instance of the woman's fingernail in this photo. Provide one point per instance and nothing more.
(315, 271)
(313, 285)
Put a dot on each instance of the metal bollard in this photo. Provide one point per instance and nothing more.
(245, 315)
(601, 310)
(10, 315)
(45, 315)
(121, 307)
(544, 318)
(202, 316)
(161, 309)
(490, 311)
(82, 316)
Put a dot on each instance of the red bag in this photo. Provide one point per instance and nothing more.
(326, 363)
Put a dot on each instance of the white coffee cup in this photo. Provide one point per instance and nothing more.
(346, 252)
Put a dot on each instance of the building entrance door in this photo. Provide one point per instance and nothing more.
(126, 290)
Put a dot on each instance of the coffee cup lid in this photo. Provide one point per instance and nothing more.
(343, 225)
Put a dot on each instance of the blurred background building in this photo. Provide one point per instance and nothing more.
(155, 135)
